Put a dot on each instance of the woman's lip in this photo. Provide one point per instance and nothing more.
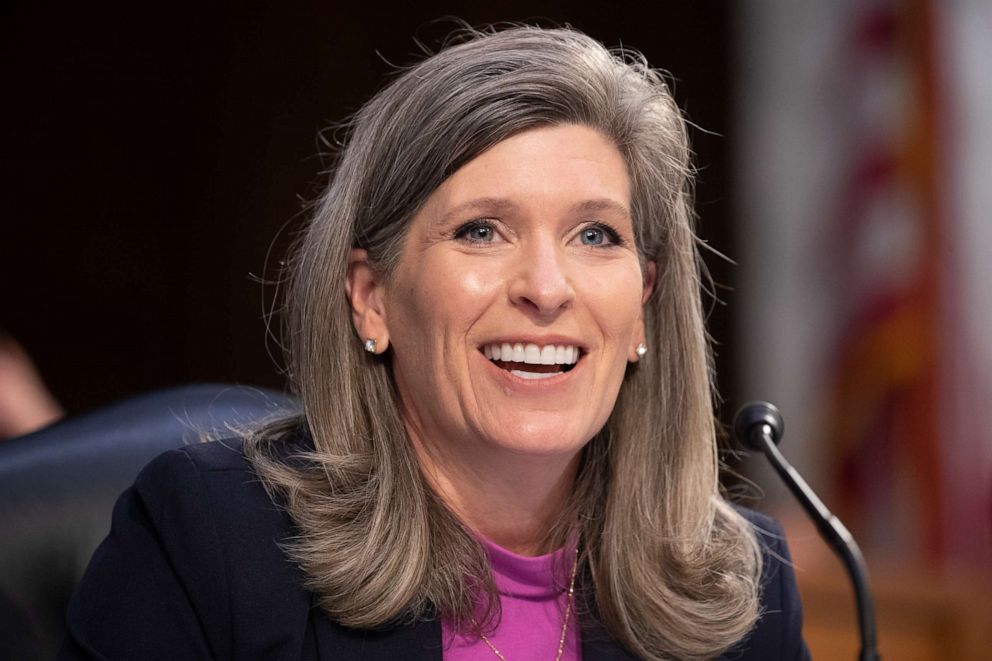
(539, 341)
(515, 382)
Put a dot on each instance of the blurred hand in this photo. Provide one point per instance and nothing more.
(25, 403)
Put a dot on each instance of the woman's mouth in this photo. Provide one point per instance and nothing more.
(530, 361)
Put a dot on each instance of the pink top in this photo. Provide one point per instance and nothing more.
(533, 604)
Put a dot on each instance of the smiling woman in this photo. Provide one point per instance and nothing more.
(528, 247)
(507, 444)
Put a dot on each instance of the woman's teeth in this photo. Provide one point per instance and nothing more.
(531, 354)
(533, 375)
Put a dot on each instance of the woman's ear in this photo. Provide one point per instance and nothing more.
(366, 294)
(650, 274)
(638, 344)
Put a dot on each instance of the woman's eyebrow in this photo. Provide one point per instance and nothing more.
(496, 205)
(502, 205)
(601, 204)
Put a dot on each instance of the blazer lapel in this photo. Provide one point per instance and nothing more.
(596, 642)
(604, 650)
(420, 641)
(598, 645)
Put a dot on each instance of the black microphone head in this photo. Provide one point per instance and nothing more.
(754, 414)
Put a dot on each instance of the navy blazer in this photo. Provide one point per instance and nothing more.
(193, 569)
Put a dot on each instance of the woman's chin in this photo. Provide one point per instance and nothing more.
(547, 437)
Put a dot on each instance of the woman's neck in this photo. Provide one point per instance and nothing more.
(512, 499)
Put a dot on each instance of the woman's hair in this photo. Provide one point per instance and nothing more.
(670, 569)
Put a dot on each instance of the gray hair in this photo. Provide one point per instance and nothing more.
(670, 569)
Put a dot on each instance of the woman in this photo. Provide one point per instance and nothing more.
(514, 457)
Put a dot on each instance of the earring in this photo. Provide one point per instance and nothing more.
(641, 350)
(370, 345)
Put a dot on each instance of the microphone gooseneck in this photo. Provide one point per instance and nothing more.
(759, 426)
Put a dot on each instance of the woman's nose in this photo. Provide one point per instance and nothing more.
(541, 285)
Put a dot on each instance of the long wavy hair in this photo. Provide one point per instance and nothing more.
(669, 568)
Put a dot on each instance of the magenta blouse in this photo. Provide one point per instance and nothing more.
(533, 604)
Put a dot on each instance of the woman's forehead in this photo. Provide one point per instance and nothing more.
(573, 160)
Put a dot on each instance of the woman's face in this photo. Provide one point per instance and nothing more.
(517, 301)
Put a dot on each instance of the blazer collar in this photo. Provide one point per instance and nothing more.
(420, 641)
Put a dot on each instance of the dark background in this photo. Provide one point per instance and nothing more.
(151, 159)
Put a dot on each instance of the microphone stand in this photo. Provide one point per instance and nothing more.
(759, 426)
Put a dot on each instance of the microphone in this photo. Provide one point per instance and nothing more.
(759, 426)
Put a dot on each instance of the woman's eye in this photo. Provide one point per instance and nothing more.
(599, 235)
(476, 232)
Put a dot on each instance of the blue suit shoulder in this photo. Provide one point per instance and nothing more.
(194, 567)
(778, 631)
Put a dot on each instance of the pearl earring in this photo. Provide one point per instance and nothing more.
(641, 350)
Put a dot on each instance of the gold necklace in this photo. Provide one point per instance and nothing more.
(564, 623)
